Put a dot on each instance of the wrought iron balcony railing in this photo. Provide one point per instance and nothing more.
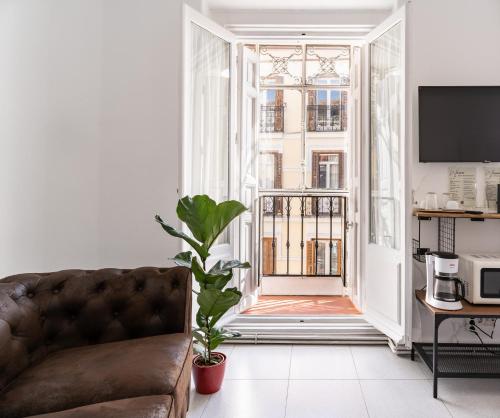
(303, 235)
(324, 118)
(272, 119)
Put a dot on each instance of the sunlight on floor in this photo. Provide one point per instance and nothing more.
(303, 305)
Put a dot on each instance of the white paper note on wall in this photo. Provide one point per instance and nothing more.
(492, 178)
(462, 185)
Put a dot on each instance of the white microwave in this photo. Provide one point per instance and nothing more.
(480, 274)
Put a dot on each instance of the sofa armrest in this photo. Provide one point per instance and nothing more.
(188, 304)
(16, 334)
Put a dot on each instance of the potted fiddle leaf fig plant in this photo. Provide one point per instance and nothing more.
(207, 220)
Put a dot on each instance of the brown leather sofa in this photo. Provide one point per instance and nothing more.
(102, 343)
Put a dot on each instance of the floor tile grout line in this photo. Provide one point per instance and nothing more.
(288, 380)
(354, 362)
(440, 400)
(449, 412)
(359, 383)
(364, 398)
(205, 406)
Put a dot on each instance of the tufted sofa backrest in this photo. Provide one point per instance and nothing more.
(42, 313)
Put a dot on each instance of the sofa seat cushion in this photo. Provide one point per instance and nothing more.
(141, 407)
(97, 373)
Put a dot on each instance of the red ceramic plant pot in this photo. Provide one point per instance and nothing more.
(208, 379)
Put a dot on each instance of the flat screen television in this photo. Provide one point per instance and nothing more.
(459, 124)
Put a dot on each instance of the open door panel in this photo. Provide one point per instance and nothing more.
(384, 192)
(220, 99)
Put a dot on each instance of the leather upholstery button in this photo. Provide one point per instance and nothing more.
(74, 308)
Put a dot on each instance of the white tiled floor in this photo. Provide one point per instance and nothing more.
(285, 381)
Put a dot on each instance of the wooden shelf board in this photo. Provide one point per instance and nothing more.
(444, 214)
(468, 309)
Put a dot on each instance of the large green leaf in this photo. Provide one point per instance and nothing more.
(201, 321)
(205, 218)
(193, 211)
(207, 280)
(215, 318)
(183, 259)
(198, 272)
(215, 302)
(200, 249)
(200, 337)
(221, 218)
(218, 336)
(222, 266)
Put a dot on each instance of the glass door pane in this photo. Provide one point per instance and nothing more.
(385, 109)
(210, 90)
(280, 133)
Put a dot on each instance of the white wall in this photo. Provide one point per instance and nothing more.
(89, 132)
(451, 42)
(50, 104)
(261, 25)
(298, 17)
(141, 129)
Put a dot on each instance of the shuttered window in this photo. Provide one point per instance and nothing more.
(328, 170)
(271, 169)
(268, 261)
(322, 266)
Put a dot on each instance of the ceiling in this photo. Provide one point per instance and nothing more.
(301, 4)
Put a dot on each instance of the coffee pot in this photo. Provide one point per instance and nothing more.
(444, 288)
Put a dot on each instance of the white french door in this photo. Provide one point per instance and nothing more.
(353, 262)
(215, 161)
(248, 83)
(384, 180)
(209, 117)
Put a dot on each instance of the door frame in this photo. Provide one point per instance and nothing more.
(355, 177)
(248, 280)
(399, 333)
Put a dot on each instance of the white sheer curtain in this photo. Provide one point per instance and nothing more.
(385, 96)
(209, 115)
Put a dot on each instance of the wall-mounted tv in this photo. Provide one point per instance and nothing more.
(459, 124)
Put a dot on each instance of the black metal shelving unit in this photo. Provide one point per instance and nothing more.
(446, 229)
(458, 360)
(462, 360)
(454, 360)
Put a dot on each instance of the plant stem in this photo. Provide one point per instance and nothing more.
(208, 353)
(209, 343)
